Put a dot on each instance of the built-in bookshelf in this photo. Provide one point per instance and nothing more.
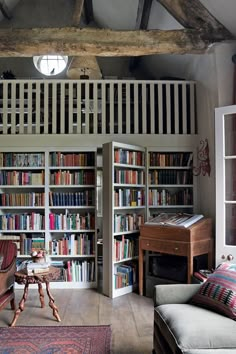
(123, 212)
(170, 182)
(48, 200)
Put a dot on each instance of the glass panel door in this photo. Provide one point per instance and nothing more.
(225, 134)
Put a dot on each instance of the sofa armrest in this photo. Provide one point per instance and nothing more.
(174, 293)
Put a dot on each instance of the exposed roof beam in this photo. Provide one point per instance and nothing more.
(4, 10)
(88, 11)
(143, 13)
(79, 4)
(192, 14)
(73, 41)
(144, 8)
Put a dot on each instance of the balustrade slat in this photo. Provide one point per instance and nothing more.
(192, 108)
(45, 107)
(5, 107)
(136, 110)
(144, 109)
(78, 109)
(184, 107)
(160, 108)
(62, 108)
(152, 110)
(111, 100)
(103, 97)
(54, 107)
(176, 107)
(70, 110)
(127, 102)
(13, 109)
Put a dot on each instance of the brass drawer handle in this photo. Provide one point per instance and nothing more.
(148, 244)
(176, 248)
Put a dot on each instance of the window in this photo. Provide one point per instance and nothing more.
(50, 64)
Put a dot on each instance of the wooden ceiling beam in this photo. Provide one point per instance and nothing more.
(73, 41)
(79, 4)
(4, 10)
(88, 11)
(193, 14)
(143, 13)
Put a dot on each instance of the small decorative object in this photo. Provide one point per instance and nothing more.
(38, 255)
(203, 160)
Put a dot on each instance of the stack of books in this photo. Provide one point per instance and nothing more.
(37, 268)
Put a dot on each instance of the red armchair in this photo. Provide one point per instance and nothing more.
(8, 253)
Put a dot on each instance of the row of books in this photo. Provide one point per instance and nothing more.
(129, 197)
(79, 271)
(71, 221)
(125, 248)
(127, 222)
(125, 275)
(170, 159)
(170, 177)
(129, 157)
(72, 178)
(72, 159)
(20, 178)
(83, 198)
(12, 159)
(166, 197)
(73, 244)
(22, 199)
(28, 243)
(32, 221)
(129, 176)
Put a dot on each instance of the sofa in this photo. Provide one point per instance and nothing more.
(180, 326)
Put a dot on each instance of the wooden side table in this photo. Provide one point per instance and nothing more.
(21, 277)
(189, 242)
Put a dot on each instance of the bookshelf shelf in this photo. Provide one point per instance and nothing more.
(123, 202)
(170, 181)
(69, 177)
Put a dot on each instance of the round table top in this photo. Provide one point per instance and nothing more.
(21, 276)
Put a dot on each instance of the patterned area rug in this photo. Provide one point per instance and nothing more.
(51, 340)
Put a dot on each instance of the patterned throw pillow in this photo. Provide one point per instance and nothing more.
(218, 293)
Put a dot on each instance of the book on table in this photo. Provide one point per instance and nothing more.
(176, 219)
(37, 268)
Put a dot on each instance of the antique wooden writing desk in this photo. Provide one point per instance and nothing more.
(189, 242)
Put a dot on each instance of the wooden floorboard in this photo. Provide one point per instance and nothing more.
(130, 316)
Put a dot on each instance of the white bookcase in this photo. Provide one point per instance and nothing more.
(123, 211)
(49, 197)
(170, 181)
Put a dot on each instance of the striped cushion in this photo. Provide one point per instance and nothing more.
(218, 293)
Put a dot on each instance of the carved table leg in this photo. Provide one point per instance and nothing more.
(21, 305)
(52, 303)
(41, 295)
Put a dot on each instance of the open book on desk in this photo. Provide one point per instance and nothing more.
(178, 219)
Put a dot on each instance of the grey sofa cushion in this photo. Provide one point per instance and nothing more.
(190, 329)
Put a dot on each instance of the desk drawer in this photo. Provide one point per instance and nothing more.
(177, 248)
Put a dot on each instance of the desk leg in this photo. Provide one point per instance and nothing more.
(21, 305)
(52, 303)
(41, 295)
(140, 271)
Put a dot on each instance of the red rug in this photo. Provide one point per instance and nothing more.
(51, 340)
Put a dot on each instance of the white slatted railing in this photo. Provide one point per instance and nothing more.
(97, 107)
